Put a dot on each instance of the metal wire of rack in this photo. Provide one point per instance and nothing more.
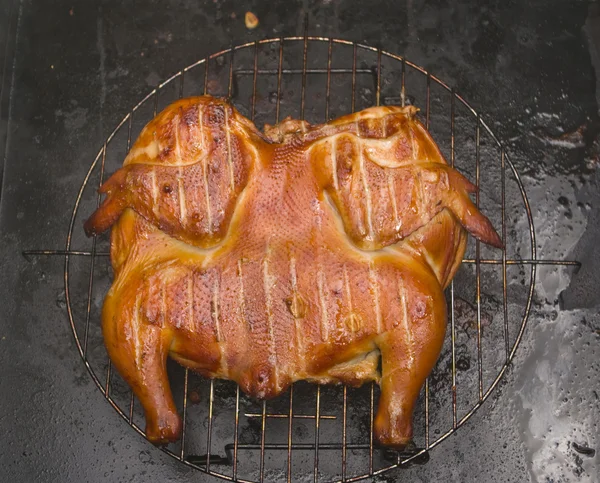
(293, 409)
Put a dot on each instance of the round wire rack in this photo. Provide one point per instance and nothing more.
(326, 430)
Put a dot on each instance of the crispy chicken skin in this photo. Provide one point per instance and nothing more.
(304, 253)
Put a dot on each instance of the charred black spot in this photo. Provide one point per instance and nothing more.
(216, 115)
(213, 309)
(190, 117)
(167, 188)
(463, 364)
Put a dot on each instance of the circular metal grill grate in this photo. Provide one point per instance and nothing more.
(326, 430)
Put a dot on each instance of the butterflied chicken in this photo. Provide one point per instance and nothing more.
(301, 253)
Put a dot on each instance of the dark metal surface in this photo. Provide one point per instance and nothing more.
(79, 71)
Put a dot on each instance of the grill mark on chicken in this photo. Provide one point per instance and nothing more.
(229, 155)
(180, 174)
(334, 163)
(207, 194)
(293, 277)
(374, 282)
(324, 326)
(347, 287)
(420, 201)
(323, 304)
(155, 209)
(413, 143)
(267, 286)
(176, 121)
(182, 199)
(201, 128)
(135, 329)
(215, 311)
(349, 327)
(163, 303)
(392, 194)
(366, 187)
(216, 315)
(190, 301)
(298, 329)
(406, 326)
(242, 296)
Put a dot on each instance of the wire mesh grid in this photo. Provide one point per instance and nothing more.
(312, 432)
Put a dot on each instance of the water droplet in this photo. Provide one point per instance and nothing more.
(145, 457)
(61, 300)
(463, 364)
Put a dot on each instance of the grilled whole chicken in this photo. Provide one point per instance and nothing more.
(301, 253)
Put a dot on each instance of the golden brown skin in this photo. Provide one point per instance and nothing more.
(303, 253)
